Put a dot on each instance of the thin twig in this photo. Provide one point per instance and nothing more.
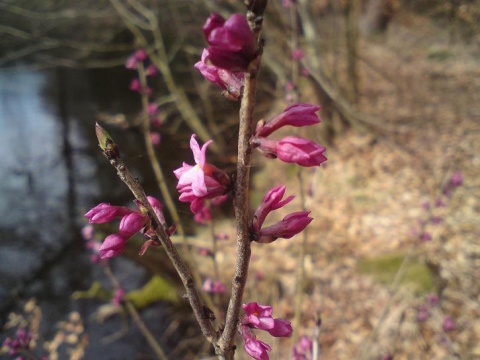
(183, 271)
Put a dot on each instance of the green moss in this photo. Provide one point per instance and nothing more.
(157, 289)
(384, 269)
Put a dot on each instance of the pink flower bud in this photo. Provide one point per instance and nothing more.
(113, 245)
(292, 149)
(271, 201)
(151, 70)
(155, 138)
(104, 212)
(291, 225)
(295, 115)
(232, 44)
(257, 349)
(281, 328)
(131, 224)
(297, 54)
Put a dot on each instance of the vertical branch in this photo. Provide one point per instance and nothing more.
(240, 201)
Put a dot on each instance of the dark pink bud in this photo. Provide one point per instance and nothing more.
(425, 237)
(104, 212)
(257, 349)
(214, 21)
(281, 328)
(131, 224)
(297, 54)
(232, 44)
(151, 70)
(155, 138)
(295, 115)
(271, 201)
(118, 296)
(140, 54)
(291, 225)
(113, 245)
(135, 85)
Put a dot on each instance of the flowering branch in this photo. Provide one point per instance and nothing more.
(111, 152)
(226, 342)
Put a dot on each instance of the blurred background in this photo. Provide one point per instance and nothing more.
(391, 264)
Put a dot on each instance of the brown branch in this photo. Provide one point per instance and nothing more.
(226, 342)
(192, 293)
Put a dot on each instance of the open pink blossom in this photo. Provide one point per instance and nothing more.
(258, 316)
(295, 115)
(232, 44)
(292, 149)
(202, 180)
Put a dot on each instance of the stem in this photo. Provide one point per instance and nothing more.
(157, 349)
(240, 200)
(183, 271)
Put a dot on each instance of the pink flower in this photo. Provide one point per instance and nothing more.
(135, 85)
(295, 115)
(213, 287)
(297, 54)
(292, 149)
(113, 245)
(291, 225)
(204, 216)
(281, 328)
(271, 201)
(231, 82)
(302, 349)
(104, 212)
(232, 44)
(135, 58)
(151, 70)
(457, 179)
(257, 349)
(448, 324)
(258, 316)
(118, 296)
(132, 222)
(202, 180)
(152, 109)
(155, 138)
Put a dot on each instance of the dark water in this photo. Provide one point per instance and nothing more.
(51, 173)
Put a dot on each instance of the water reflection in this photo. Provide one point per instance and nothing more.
(51, 172)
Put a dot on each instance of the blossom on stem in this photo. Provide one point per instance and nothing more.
(202, 180)
(290, 226)
(303, 349)
(135, 58)
(132, 221)
(105, 212)
(292, 149)
(232, 44)
(231, 82)
(260, 317)
(295, 115)
(271, 201)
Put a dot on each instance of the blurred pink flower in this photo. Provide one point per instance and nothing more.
(151, 70)
(213, 287)
(297, 54)
(155, 138)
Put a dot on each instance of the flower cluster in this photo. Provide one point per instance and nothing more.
(290, 149)
(134, 62)
(132, 221)
(201, 181)
(260, 317)
(19, 345)
(232, 48)
(289, 226)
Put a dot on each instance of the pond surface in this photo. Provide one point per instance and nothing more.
(51, 173)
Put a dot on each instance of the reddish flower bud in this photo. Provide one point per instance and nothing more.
(292, 149)
(232, 44)
(295, 115)
(113, 245)
(131, 224)
(104, 212)
(271, 201)
(291, 225)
